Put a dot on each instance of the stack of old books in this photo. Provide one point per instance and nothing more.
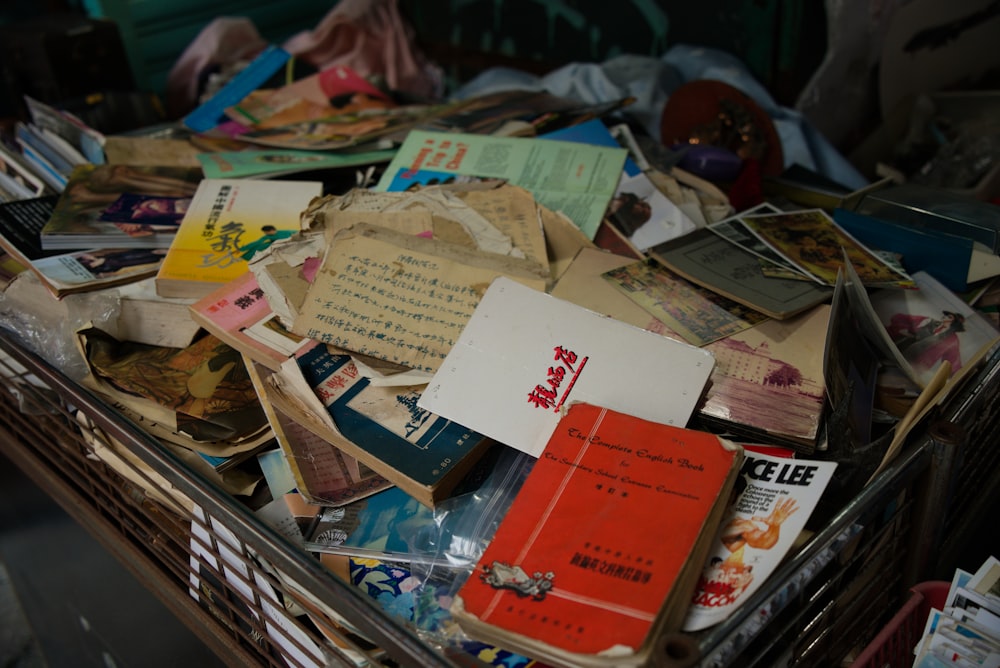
(682, 382)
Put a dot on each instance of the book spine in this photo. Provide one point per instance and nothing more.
(207, 116)
(40, 144)
(44, 168)
(69, 153)
(14, 188)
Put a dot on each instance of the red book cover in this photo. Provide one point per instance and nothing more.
(600, 551)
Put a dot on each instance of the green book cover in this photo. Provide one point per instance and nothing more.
(571, 177)
(241, 164)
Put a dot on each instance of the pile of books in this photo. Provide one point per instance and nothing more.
(503, 274)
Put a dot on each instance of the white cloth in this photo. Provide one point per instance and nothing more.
(651, 80)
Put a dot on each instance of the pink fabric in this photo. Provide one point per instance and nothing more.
(227, 39)
(369, 36)
(372, 38)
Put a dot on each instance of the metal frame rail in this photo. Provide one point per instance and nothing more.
(234, 581)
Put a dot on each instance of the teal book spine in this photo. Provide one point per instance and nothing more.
(386, 421)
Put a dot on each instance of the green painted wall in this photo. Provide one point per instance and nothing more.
(156, 32)
(781, 41)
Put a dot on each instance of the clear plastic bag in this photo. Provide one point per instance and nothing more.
(50, 331)
(463, 525)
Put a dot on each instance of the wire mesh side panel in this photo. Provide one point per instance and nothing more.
(861, 594)
(831, 594)
(966, 453)
(824, 604)
(148, 529)
(257, 600)
(250, 595)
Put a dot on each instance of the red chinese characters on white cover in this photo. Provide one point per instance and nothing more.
(551, 394)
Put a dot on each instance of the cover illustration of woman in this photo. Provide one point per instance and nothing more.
(924, 341)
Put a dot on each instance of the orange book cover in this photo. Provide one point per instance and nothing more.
(596, 561)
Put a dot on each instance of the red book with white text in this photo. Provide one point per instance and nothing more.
(596, 560)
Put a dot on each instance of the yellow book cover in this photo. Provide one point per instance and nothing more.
(227, 222)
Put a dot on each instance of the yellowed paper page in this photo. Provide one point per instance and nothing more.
(445, 208)
(401, 298)
(408, 222)
(122, 150)
(516, 213)
(563, 240)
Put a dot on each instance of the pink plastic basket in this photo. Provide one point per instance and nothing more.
(893, 646)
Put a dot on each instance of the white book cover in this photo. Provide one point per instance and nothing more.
(772, 501)
(525, 355)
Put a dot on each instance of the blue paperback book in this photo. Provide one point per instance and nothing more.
(421, 452)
